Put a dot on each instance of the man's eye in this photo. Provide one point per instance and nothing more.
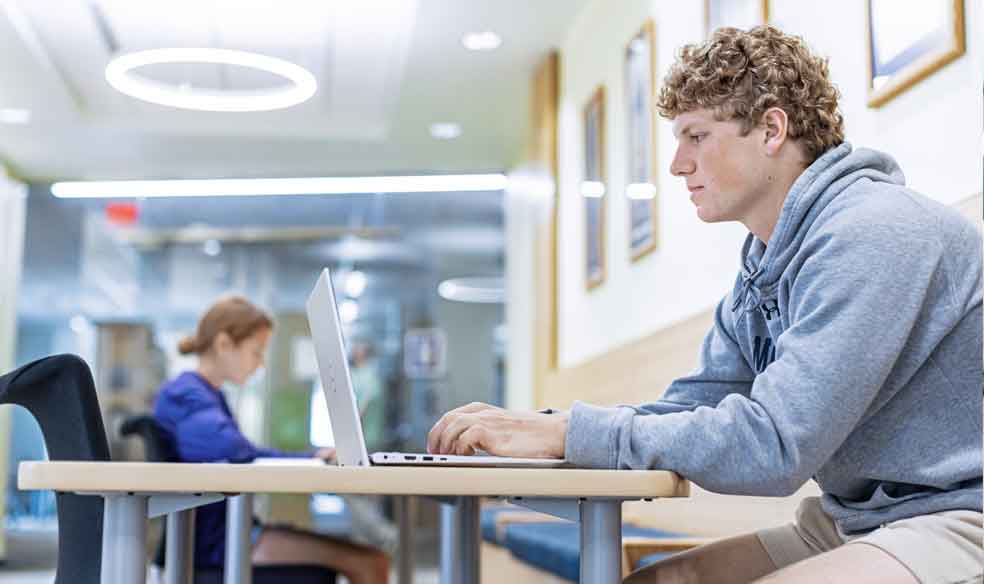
(696, 138)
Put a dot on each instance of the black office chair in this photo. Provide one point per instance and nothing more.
(60, 394)
(159, 448)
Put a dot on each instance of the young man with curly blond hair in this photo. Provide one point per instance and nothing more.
(847, 352)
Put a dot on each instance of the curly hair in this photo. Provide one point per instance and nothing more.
(740, 74)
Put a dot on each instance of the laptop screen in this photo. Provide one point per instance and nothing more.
(329, 351)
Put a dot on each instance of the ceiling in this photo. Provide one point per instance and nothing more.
(386, 70)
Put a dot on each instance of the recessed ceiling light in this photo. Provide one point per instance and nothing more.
(481, 41)
(14, 116)
(212, 247)
(78, 324)
(300, 88)
(445, 130)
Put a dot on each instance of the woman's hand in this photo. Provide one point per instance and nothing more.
(325, 454)
(499, 432)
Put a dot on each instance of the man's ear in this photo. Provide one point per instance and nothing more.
(776, 125)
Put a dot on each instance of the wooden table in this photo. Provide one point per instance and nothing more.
(134, 491)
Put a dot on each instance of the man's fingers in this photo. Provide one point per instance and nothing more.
(434, 436)
(470, 440)
(453, 430)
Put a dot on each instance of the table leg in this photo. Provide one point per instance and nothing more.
(239, 548)
(124, 543)
(601, 542)
(460, 540)
(406, 512)
(180, 561)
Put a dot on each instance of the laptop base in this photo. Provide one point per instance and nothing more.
(416, 459)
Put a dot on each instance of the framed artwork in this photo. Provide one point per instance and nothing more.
(906, 46)
(593, 188)
(425, 353)
(743, 14)
(640, 190)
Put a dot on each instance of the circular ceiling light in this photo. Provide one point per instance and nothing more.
(300, 88)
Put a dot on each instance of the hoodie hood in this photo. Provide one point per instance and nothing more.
(820, 183)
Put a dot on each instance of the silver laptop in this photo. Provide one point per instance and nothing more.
(350, 444)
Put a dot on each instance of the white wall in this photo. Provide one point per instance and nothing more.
(933, 130)
(12, 212)
(519, 275)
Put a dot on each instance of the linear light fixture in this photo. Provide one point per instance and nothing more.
(592, 189)
(15, 116)
(301, 83)
(478, 290)
(640, 191)
(438, 183)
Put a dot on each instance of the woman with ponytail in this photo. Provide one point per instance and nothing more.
(230, 342)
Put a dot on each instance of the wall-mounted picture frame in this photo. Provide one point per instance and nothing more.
(640, 96)
(593, 188)
(904, 49)
(743, 14)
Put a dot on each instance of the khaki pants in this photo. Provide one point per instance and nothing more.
(941, 548)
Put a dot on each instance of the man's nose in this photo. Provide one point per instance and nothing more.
(681, 165)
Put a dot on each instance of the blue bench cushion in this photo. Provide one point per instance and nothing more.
(487, 522)
(555, 547)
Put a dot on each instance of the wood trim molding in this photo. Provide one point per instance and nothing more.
(542, 157)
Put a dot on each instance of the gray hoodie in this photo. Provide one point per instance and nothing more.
(849, 351)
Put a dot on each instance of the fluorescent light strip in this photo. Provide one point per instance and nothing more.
(640, 191)
(478, 290)
(592, 189)
(15, 116)
(279, 186)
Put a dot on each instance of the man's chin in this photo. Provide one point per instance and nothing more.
(707, 217)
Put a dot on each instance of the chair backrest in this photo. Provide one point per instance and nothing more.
(158, 446)
(60, 394)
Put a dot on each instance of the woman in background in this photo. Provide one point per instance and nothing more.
(230, 342)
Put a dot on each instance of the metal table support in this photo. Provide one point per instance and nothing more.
(601, 541)
(124, 543)
(239, 547)
(406, 514)
(460, 539)
(179, 565)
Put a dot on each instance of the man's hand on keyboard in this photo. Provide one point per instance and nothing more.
(479, 426)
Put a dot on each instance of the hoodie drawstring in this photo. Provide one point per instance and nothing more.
(748, 285)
